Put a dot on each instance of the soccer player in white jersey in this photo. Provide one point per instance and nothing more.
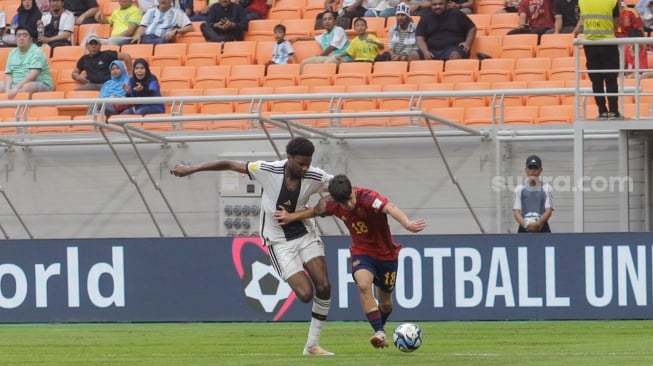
(294, 247)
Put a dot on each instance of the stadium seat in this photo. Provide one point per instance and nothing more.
(107, 7)
(9, 113)
(531, 69)
(84, 30)
(209, 77)
(496, 69)
(285, 13)
(183, 108)
(459, 71)
(564, 68)
(242, 76)
(281, 75)
(298, 27)
(350, 73)
(168, 54)
(424, 72)
(205, 54)
(261, 30)
(555, 114)
(294, 105)
(312, 8)
(238, 53)
(478, 116)
(68, 52)
(482, 22)
(518, 45)
(489, 6)
(33, 112)
(137, 50)
(4, 53)
(218, 107)
(510, 100)
(366, 104)
(452, 114)
(502, 23)
(305, 49)
(181, 77)
(191, 37)
(539, 100)
(264, 50)
(77, 110)
(469, 101)
(317, 74)
(324, 105)
(488, 45)
(427, 103)
(555, 45)
(53, 129)
(254, 104)
(390, 72)
(524, 114)
(397, 104)
(65, 81)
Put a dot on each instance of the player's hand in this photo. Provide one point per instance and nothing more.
(416, 226)
(281, 215)
(181, 170)
(464, 46)
(533, 227)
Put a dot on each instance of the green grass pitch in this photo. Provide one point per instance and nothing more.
(445, 343)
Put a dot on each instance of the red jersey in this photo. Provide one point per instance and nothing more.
(368, 225)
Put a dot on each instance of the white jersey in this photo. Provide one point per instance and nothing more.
(271, 176)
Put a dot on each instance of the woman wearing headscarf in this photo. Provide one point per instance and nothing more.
(143, 84)
(26, 17)
(114, 88)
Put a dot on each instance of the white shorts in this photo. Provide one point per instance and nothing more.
(288, 257)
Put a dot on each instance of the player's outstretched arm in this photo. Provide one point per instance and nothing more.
(181, 170)
(284, 217)
(413, 226)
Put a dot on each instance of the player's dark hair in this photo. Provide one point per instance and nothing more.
(340, 188)
(333, 13)
(359, 19)
(300, 146)
(280, 28)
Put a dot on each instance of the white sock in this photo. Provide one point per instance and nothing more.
(319, 314)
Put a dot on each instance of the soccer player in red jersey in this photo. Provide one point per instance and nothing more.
(374, 255)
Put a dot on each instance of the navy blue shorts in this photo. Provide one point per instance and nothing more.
(385, 272)
(445, 54)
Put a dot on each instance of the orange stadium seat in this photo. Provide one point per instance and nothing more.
(65, 81)
(482, 22)
(84, 30)
(555, 45)
(488, 45)
(435, 102)
(49, 129)
(261, 30)
(489, 6)
(242, 76)
(518, 45)
(210, 77)
(367, 104)
(390, 72)
(298, 27)
(33, 112)
(218, 107)
(350, 73)
(137, 50)
(317, 74)
(283, 106)
(77, 110)
(176, 77)
(461, 70)
(564, 68)
(424, 71)
(305, 49)
(514, 100)
(538, 100)
(523, 114)
(452, 114)
(324, 105)
(168, 54)
(529, 69)
(4, 52)
(285, 13)
(205, 54)
(254, 104)
(502, 23)
(9, 113)
(470, 101)
(191, 37)
(186, 107)
(555, 114)
(396, 103)
(281, 75)
(107, 7)
(496, 69)
(312, 8)
(238, 53)
(478, 116)
(264, 50)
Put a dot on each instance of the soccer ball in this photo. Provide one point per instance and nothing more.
(531, 218)
(407, 337)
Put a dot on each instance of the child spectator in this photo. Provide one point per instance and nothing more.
(143, 84)
(365, 46)
(283, 51)
(114, 88)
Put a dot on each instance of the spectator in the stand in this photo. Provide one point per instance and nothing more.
(255, 9)
(283, 51)
(364, 47)
(58, 24)
(351, 9)
(629, 21)
(114, 88)
(143, 84)
(566, 16)
(403, 43)
(444, 34)
(330, 6)
(647, 15)
(225, 22)
(92, 69)
(466, 6)
(84, 10)
(26, 17)
(162, 24)
(27, 69)
(333, 41)
(535, 16)
(187, 6)
(124, 21)
(380, 8)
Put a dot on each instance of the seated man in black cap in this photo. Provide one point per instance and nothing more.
(93, 69)
(533, 200)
